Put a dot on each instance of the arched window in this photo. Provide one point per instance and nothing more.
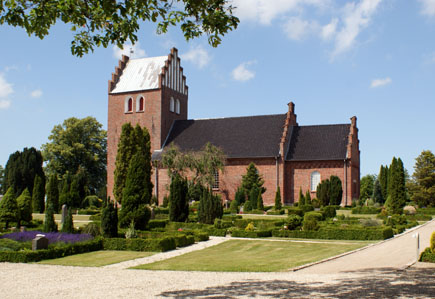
(128, 105)
(177, 106)
(216, 180)
(140, 104)
(315, 180)
(172, 105)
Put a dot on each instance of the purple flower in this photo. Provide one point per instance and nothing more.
(52, 237)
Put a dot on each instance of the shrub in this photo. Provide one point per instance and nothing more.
(427, 256)
(24, 204)
(316, 215)
(92, 228)
(165, 202)
(157, 223)
(178, 205)
(276, 212)
(131, 232)
(12, 245)
(432, 242)
(295, 211)
(68, 225)
(258, 212)
(329, 212)
(138, 244)
(278, 204)
(234, 208)
(301, 198)
(260, 204)
(52, 237)
(293, 222)
(8, 208)
(396, 220)
(247, 207)
(310, 220)
(306, 208)
(366, 210)
(338, 233)
(109, 219)
(251, 234)
(210, 207)
(369, 222)
(240, 197)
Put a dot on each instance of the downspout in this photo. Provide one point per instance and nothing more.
(277, 169)
(345, 182)
(156, 181)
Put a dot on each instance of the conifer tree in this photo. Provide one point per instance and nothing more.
(210, 207)
(38, 194)
(253, 196)
(74, 193)
(396, 199)
(49, 223)
(240, 196)
(383, 180)
(109, 220)
(424, 179)
(68, 224)
(335, 190)
(260, 204)
(252, 178)
(301, 198)
(377, 193)
(308, 197)
(278, 204)
(8, 207)
(178, 204)
(322, 192)
(64, 196)
(53, 193)
(136, 195)
(24, 203)
(124, 154)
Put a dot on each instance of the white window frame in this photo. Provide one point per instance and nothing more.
(315, 180)
(138, 103)
(172, 105)
(126, 104)
(177, 106)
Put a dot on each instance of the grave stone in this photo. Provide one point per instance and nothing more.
(22, 229)
(39, 242)
(64, 211)
(153, 213)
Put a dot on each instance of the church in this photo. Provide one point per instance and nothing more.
(153, 92)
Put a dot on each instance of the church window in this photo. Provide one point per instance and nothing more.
(216, 180)
(140, 104)
(172, 105)
(177, 106)
(315, 180)
(128, 105)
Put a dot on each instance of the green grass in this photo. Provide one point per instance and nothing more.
(252, 256)
(97, 258)
(349, 214)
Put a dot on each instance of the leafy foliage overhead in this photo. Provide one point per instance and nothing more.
(101, 23)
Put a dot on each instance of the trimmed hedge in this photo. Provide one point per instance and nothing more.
(366, 210)
(88, 211)
(161, 210)
(256, 212)
(295, 211)
(27, 256)
(338, 234)
(276, 212)
(251, 234)
(156, 245)
(231, 217)
(427, 256)
(157, 223)
(217, 232)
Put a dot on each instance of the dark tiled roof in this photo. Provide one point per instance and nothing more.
(325, 142)
(238, 137)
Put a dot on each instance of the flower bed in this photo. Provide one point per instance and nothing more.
(52, 237)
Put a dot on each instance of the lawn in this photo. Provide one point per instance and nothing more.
(97, 258)
(348, 213)
(253, 256)
(79, 220)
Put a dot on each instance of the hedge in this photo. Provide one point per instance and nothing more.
(217, 232)
(427, 256)
(161, 210)
(138, 244)
(337, 234)
(295, 211)
(366, 210)
(88, 211)
(276, 212)
(231, 217)
(251, 234)
(256, 212)
(157, 223)
(27, 256)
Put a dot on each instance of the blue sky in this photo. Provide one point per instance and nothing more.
(334, 59)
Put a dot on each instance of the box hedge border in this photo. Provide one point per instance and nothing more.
(251, 234)
(337, 234)
(139, 244)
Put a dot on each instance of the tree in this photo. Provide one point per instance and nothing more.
(366, 186)
(64, 195)
(278, 204)
(210, 207)
(383, 181)
(24, 204)
(126, 148)
(178, 205)
(308, 197)
(21, 169)
(49, 223)
(260, 204)
(322, 192)
(38, 194)
(97, 23)
(240, 196)
(253, 196)
(335, 190)
(252, 178)
(377, 192)
(2, 176)
(301, 198)
(53, 193)
(423, 179)
(396, 199)
(109, 220)
(74, 198)
(68, 224)
(136, 196)
(78, 145)
(8, 208)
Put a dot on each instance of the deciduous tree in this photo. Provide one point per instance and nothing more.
(366, 186)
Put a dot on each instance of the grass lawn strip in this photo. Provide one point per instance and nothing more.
(97, 258)
(252, 256)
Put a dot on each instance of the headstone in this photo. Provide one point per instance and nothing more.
(39, 242)
(22, 228)
(64, 211)
(153, 213)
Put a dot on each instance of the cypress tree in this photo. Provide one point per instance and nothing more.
(136, 195)
(396, 199)
(68, 224)
(8, 207)
(335, 190)
(74, 193)
(64, 196)
(240, 196)
(278, 204)
(178, 205)
(322, 192)
(123, 157)
(260, 205)
(53, 193)
(49, 223)
(377, 193)
(250, 179)
(109, 220)
(210, 207)
(301, 198)
(24, 203)
(253, 196)
(308, 197)
(383, 181)
(38, 194)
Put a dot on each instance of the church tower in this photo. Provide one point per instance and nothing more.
(151, 92)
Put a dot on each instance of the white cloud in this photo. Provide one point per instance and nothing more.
(329, 30)
(355, 18)
(265, 11)
(241, 73)
(5, 104)
(198, 56)
(380, 82)
(5, 87)
(138, 52)
(296, 28)
(428, 7)
(37, 93)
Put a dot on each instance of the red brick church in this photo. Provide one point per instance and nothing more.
(153, 92)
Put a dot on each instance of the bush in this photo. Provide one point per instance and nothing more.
(293, 222)
(210, 207)
(157, 223)
(338, 233)
(88, 211)
(109, 219)
(329, 211)
(161, 210)
(432, 242)
(178, 204)
(295, 211)
(306, 208)
(12, 245)
(427, 256)
(257, 212)
(234, 208)
(396, 220)
(311, 219)
(316, 215)
(247, 207)
(251, 234)
(138, 244)
(366, 210)
(92, 228)
(276, 212)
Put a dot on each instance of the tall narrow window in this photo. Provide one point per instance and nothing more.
(216, 180)
(172, 105)
(177, 106)
(140, 104)
(315, 180)
(128, 105)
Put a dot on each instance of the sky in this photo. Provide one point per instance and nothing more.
(374, 59)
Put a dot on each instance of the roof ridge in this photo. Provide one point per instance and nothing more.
(324, 125)
(233, 117)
